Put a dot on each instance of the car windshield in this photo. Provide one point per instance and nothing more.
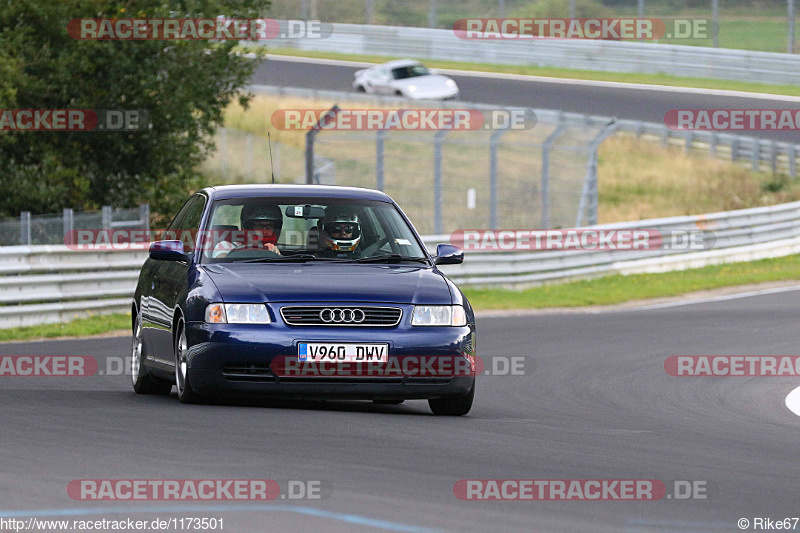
(410, 71)
(301, 229)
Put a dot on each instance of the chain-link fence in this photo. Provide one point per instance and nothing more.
(539, 177)
(449, 180)
(51, 228)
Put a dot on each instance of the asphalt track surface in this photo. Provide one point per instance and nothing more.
(648, 105)
(595, 402)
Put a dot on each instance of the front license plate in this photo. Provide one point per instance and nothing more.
(342, 352)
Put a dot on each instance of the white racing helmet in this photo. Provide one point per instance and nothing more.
(340, 231)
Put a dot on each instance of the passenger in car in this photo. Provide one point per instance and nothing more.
(262, 224)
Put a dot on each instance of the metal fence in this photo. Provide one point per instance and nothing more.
(51, 228)
(43, 284)
(609, 56)
(758, 154)
(445, 180)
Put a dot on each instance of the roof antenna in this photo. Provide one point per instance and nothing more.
(271, 166)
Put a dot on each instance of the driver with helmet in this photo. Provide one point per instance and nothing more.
(340, 234)
(262, 224)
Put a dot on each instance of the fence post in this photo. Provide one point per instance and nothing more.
(756, 155)
(106, 217)
(311, 135)
(380, 138)
(590, 193)
(546, 173)
(25, 228)
(144, 216)
(494, 141)
(773, 157)
(792, 160)
(437, 181)
(68, 221)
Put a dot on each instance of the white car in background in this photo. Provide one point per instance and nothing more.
(407, 78)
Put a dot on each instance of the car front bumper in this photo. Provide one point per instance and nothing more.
(240, 360)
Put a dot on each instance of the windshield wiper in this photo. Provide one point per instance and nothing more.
(299, 258)
(391, 258)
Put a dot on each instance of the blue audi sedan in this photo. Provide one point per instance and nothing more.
(301, 291)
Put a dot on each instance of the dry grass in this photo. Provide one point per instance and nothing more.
(641, 179)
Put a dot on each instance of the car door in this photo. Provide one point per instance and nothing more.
(379, 80)
(171, 279)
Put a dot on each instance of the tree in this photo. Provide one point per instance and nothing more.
(184, 85)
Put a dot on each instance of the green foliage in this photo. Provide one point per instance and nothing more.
(184, 85)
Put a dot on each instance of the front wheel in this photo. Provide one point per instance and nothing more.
(453, 405)
(185, 392)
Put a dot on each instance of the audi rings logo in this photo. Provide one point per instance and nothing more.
(342, 316)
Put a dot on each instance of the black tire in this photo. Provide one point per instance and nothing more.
(143, 382)
(360, 89)
(398, 93)
(182, 382)
(453, 405)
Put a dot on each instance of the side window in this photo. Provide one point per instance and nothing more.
(185, 225)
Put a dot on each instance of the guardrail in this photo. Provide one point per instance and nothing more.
(608, 56)
(759, 154)
(42, 284)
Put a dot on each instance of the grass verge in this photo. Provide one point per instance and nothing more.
(619, 289)
(81, 327)
(551, 72)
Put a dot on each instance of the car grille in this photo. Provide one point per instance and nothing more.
(353, 316)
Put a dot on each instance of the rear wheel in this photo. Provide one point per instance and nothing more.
(185, 392)
(453, 405)
(143, 382)
(360, 89)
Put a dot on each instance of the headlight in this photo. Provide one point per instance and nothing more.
(439, 315)
(412, 88)
(237, 314)
(450, 83)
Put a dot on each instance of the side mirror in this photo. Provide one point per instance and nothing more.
(167, 251)
(447, 254)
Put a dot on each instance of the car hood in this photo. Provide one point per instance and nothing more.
(327, 282)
